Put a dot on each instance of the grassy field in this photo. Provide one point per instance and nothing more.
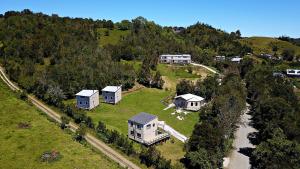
(146, 100)
(21, 147)
(149, 100)
(172, 74)
(263, 45)
(112, 37)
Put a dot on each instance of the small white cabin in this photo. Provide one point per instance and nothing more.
(143, 128)
(87, 99)
(112, 94)
(189, 102)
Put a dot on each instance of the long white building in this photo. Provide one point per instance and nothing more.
(176, 59)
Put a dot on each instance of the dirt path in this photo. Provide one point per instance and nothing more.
(241, 144)
(206, 67)
(96, 143)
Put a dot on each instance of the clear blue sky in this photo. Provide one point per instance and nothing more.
(252, 17)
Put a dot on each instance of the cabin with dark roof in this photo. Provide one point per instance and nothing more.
(143, 128)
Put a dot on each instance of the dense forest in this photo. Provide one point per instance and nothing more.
(276, 116)
(55, 57)
(213, 134)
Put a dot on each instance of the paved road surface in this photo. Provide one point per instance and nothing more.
(96, 143)
(238, 160)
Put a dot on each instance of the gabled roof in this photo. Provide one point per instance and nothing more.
(111, 88)
(190, 97)
(86, 93)
(142, 118)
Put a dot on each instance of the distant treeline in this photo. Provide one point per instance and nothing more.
(55, 57)
(295, 41)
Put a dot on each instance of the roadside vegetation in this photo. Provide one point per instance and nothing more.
(29, 139)
(54, 57)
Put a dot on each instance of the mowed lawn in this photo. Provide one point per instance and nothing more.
(23, 147)
(144, 100)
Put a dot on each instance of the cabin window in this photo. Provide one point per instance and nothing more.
(80, 103)
(105, 97)
(139, 126)
(132, 133)
(192, 104)
(196, 104)
(148, 126)
(81, 96)
(153, 125)
(110, 97)
(131, 124)
(86, 102)
(138, 135)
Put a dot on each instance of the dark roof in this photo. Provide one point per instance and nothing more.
(142, 118)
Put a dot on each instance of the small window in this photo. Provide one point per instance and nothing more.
(138, 135)
(86, 102)
(132, 133)
(139, 126)
(148, 126)
(153, 124)
(80, 102)
(105, 97)
(196, 103)
(131, 124)
(192, 104)
(111, 97)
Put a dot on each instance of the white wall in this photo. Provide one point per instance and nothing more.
(146, 134)
(94, 100)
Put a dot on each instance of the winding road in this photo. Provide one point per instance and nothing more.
(92, 140)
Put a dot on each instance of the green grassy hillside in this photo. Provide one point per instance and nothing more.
(107, 36)
(26, 134)
(264, 45)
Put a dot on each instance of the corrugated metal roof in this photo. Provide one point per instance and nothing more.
(142, 118)
(111, 88)
(190, 97)
(86, 93)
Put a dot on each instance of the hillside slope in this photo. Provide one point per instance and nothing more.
(26, 135)
(264, 45)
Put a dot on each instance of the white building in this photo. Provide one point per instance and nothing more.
(112, 94)
(220, 58)
(87, 99)
(236, 59)
(143, 128)
(293, 72)
(176, 59)
(189, 102)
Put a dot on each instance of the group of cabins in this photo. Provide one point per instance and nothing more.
(89, 99)
(144, 127)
